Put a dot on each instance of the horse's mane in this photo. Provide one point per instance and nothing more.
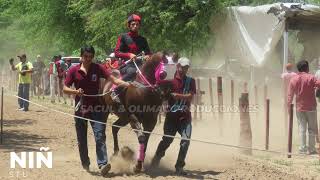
(149, 67)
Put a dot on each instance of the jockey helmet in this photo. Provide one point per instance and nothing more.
(134, 17)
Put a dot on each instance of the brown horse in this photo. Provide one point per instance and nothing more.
(140, 105)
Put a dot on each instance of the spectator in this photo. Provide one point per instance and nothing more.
(25, 69)
(303, 87)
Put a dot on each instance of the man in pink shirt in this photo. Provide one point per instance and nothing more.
(303, 86)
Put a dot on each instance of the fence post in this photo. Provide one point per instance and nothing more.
(290, 131)
(267, 123)
(219, 91)
(220, 104)
(210, 91)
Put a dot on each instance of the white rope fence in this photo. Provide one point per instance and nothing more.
(159, 134)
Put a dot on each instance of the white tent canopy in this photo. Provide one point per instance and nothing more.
(251, 34)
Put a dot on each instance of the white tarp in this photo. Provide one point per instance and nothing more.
(251, 35)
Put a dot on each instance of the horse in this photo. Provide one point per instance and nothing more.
(142, 104)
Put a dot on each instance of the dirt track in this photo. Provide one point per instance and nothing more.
(28, 131)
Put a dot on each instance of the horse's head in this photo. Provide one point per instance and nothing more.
(153, 69)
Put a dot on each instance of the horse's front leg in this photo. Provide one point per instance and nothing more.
(115, 129)
(135, 124)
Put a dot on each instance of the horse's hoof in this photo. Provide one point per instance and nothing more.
(127, 153)
(138, 167)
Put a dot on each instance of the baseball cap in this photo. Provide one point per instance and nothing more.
(183, 61)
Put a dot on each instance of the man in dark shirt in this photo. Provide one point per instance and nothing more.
(178, 118)
(86, 79)
(129, 45)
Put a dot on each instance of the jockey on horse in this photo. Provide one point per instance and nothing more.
(129, 45)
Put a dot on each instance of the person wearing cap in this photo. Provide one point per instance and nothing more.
(129, 45)
(86, 79)
(25, 69)
(38, 69)
(178, 117)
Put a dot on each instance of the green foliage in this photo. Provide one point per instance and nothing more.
(49, 27)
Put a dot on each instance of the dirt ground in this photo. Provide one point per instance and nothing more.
(28, 131)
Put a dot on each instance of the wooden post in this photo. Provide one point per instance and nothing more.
(265, 94)
(285, 107)
(219, 91)
(232, 92)
(267, 123)
(210, 91)
(220, 105)
(1, 139)
(245, 126)
(290, 131)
